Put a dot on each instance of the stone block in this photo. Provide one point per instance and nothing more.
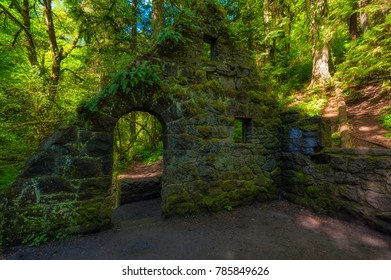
(51, 185)
(94, 188)
(228, 83)
(86, 167)
(100, 122)
(346, 178)
(379, 201)
(141, 189)
(100, 144)
(242, 72)
(40, 164)
(339, 163)
(358, 165)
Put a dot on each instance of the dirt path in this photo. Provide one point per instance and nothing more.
(363, 114)
(275, 230)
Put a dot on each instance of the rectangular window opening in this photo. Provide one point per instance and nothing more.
(242, 130)
(210, 48)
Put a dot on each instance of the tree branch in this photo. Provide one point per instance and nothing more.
(73, 72)
(73, 46)
(16, 37)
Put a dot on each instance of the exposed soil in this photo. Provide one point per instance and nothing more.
(364, 116)
(139, 170)
(274, 230)
(363, 113)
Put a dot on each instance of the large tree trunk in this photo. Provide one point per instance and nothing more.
(157, 17)
(57, 54)
(364, 17)
(353, 23)
(320, 67)
(320, 49)
(25, 27)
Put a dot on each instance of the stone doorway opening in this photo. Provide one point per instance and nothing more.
(138, 164)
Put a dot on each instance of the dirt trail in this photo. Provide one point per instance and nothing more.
(363, 114)
(274, 230)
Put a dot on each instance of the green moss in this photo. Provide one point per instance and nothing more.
(301, 179)
(200, 74)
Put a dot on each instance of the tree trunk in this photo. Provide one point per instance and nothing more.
(266, 19)
(353, 23)
(364, 17)
(57, 54)
(157, 17)
(320, 67)
(320, 49)
(25, 26)
(134, 25)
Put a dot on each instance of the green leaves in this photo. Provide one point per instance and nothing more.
(143, 75)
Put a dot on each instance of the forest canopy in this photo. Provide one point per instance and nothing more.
(54, 54)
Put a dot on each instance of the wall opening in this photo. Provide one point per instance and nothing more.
(210, 48)
(242, 130)
(137, 158)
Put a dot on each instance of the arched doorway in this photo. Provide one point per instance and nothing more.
(138, 164)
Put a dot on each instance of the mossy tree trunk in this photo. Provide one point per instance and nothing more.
(320, 48)
(157, 17)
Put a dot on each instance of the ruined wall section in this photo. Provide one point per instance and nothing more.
(65, 187)
(342, 182)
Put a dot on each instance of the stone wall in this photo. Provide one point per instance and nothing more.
(65, 187)
(132, 190)
(343, 182)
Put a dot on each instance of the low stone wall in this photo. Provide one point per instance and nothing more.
(132, 190)
(336, 181)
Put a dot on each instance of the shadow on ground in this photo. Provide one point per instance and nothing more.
(274, 230)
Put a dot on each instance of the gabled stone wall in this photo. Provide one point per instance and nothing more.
(65, 187)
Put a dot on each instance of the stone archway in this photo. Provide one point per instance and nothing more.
(65, 186)
(138, 158)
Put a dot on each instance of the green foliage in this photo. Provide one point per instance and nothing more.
(143, 75)
(369, 57)
(8, 174)
(386, 120)
(171, 36)
(336, 139)
(36, 240)
(138, 137)
(238, 131)
(310, 103)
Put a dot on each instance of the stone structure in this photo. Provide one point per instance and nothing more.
(132, 190)
(336, 181)
(206, 89)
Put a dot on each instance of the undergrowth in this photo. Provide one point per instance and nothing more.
(309, 103)
(385, 120)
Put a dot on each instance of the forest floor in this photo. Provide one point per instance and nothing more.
(363, 112)
(273, 230)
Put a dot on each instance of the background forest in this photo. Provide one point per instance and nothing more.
(55, 54)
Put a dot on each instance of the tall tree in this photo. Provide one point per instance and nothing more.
(157, 17)
(320, 43)
(364, 17)
(134, 24)
(353, 22)
(22, 16)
